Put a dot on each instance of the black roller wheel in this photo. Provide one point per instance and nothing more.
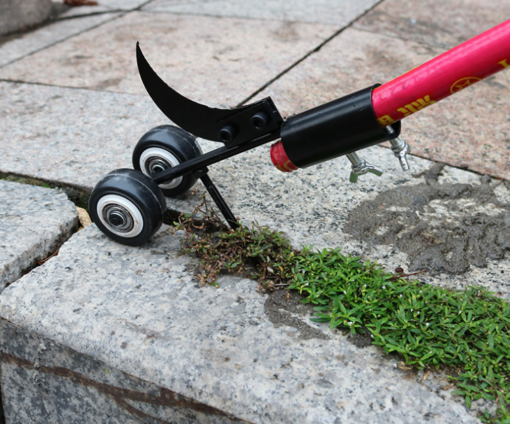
(127, 206)
(162, 148)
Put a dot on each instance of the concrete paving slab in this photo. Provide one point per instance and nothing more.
(13, 49)
(34, 222)
(333, 12)
(213, 60)
(312, 206)
(438, 23)
(70, 136)
(470, 129)
(99, 311)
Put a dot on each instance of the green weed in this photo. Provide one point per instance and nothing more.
(466, 331)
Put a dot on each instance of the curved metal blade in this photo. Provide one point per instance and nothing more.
(198, 119)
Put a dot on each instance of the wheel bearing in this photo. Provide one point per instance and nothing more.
(120, 215)
(156, 157)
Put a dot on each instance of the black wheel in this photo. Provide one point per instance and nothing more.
(164, 147)
(127, 206)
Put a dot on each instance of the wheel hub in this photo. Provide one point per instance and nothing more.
(155, 160)
(156, 165)
(119, 217)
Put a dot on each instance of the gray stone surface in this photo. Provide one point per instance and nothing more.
(68, 387)
(16, 15)
(441, 24)
(68, 135)
(13, 49)
(212, 60)
(122, 332)
(333, 12)
(311, 206)
(34, 222)
(140, 312)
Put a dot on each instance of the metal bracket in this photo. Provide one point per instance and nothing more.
(229, 126)
(217, 197)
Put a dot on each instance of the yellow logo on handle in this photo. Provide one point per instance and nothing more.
(504, 63)
(463, 83)
(416, 106)
(386, 120)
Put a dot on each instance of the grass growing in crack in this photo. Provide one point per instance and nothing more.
(465, 331)
(429, 326)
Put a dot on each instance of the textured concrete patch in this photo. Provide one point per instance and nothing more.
(280, 308)
(332, 12)
(469, 130)
(48, 35)
(139, 311)
(212, 60)
(444, 228)
(34, 221)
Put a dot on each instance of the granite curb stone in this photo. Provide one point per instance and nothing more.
(66, 386)
(140, 312)
(16, 15)
(34, 222)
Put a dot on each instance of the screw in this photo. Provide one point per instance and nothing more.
(400, 149)
(227, 133)
(259, 120)
(361, 167)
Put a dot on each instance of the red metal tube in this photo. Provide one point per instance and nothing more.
(280, 158)
(452, 71)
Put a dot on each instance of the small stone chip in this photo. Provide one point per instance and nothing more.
(84, 217)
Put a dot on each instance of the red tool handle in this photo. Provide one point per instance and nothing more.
(454, 70)
(431, 82)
